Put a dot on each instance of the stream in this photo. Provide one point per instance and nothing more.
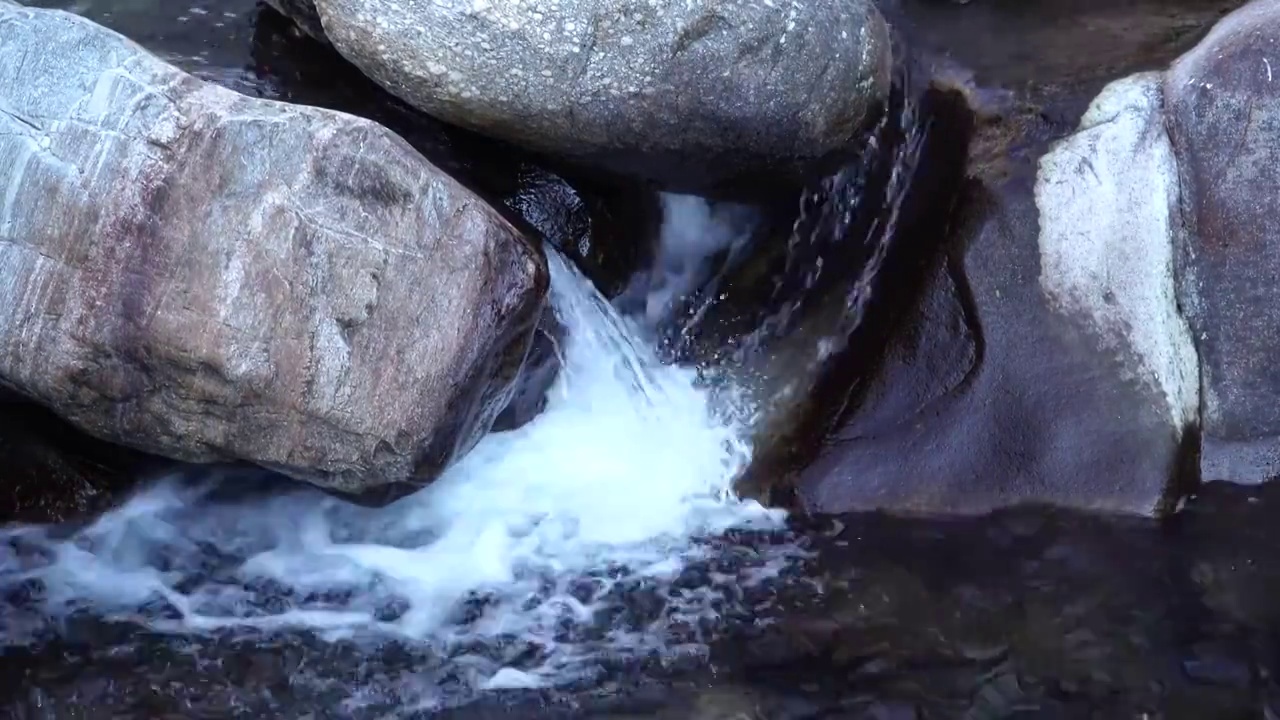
(595, 562)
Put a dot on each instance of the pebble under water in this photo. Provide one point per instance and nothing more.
(500, 593)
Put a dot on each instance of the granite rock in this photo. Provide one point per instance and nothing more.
(210, 277)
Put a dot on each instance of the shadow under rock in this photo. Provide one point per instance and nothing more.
(51, 472)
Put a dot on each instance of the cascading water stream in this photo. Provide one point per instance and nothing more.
(589, 538)
(514, 569)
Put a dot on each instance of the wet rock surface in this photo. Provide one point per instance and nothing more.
(211, 277)
(1023, 613)
(690, 96)
(1062, 402)
(1223, 121)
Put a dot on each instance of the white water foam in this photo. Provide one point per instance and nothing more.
(694, 230)
(531, 541)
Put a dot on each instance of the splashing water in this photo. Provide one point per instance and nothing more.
(694, 230)
(516, 567)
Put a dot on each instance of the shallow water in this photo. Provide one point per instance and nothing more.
(210, 38)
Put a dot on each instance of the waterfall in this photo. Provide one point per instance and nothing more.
(514, 569)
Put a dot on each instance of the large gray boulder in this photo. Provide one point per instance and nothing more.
(690, 94)
(1222, 102)
(210, 277)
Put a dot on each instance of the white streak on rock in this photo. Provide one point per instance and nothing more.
(1108, 198)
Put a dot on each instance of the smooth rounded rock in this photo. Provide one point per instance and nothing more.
(1115, 270)
(1047, 359)
(691, 95)
(1222, 101)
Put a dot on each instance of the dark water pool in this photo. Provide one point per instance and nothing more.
(1031, 613)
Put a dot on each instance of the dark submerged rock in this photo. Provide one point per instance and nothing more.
(1021, 613)
(1226, 539)
(1223, 117)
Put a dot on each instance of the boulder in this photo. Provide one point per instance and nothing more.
(1048, 358)
(1224, 118)
(600, 223)
(210, 277)
(691, 95)
(1108, 204)
(1038, 403)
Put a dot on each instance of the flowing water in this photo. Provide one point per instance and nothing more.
(694, 233)
(590, 537)
(515, 567)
